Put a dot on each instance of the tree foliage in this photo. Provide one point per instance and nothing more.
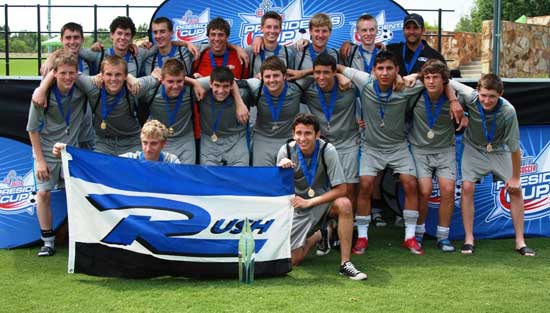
(511, 10)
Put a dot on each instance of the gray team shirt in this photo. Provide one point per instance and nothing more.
(227, 122)
(392, 136)
(51, 125)
(121, 121)
(355, 59)
(165, 156)
(506, 135)
(287, 54)
(324, 178)
(308, 61)
(443, 128)
(133, 67)
(344, 130)
(180, 53)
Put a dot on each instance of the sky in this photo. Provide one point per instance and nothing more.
(26, 18)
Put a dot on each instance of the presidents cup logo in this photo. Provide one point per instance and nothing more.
(385, 29)
(535, 181)
(165, 226)
(17, 193)
(294, 22)
(191, 27)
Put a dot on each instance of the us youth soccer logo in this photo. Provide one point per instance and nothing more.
(385, 29)
(295, 23)
(191, 27)
(17, 193)
(535, 182)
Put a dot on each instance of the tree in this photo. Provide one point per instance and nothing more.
(511, 10)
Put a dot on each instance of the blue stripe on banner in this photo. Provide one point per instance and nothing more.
(182, 179)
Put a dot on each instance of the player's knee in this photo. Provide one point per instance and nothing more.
(446, 189)
(343, 206)
(467, 189)
(366, 187)
(43, 195)
(409, 185)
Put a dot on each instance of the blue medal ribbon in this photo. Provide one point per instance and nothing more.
(161, 156)
(275, 52)
(172, 113)
(313, 54)
(126, 57)
(217, 113)
(489, 134)
(409, 66)
(107, 108)
(80, 65)
(368, 67)
(438, 106)
(59, 99)
(328, 109)
(161, 57)
(381, 107)
(275, 111)
(309, 172)
(213, 60)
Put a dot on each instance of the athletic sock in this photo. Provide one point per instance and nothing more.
(363, 226)
(420, 230)
(442, 233)
(48, 237)
(410, 218)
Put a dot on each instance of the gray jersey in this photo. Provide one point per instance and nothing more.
(165, 157)
(156, 59)
(134, 61)
(51, 124)
(121, 120)
(362, 60)
(443, 128)
(343, 132)
(325, 178)
(506, 133)
(392, 135)
(164, 111)
(302, 61)
(219, 117)
(286, 54)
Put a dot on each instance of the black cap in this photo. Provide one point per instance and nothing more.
(415, 18)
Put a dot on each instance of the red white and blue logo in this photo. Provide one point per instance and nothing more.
(17, 193)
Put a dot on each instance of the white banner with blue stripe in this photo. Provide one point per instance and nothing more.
(136, 218)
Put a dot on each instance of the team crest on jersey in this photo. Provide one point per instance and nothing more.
(535, 182)
(295, 24)
(385, 29)
(17, 193)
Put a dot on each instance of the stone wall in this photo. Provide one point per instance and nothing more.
(524, 52)
(539, 20)
(458, 48)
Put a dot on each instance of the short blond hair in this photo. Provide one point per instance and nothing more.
(154, 129)
(65, 58)
(319, 20)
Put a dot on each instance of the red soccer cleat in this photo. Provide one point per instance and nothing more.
(360, 246)
(413, 246)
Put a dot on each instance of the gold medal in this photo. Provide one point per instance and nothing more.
(103, 125)
(311, 192)
(489, 147)
(430, 134)
(170, 131)
(382, 124)
(214, 137)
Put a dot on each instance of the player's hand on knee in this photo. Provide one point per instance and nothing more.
(286, 163)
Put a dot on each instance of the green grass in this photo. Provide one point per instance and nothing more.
(494, 279)
(20, 67)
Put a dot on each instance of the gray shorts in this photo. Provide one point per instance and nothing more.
(231, 151)
(56, 178)
(373, 161)
(476, 164)
(442, 164)
(183, 147)
(305, 222)
(264, 150)
(350, 164)
(117, 145)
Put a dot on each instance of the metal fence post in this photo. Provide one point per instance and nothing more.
(439, 33)
(7, 40)
(39, 38)
(95, 22)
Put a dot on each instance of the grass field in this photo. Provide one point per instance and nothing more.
(494, 279)
(20, 67)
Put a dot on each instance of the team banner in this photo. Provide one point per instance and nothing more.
(190, 18)
(492, 204)
(134, 218)
(18, 221)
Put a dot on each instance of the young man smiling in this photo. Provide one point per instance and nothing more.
(320, 191)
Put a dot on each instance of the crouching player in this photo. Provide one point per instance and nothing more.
(491, 145)
(316, 167)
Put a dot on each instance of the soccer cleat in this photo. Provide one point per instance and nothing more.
(349, 270)
(46, 251)
(420, 241)
(379, 221)
(445, 245)
(360, 246)
(323, 246)
(413, 246)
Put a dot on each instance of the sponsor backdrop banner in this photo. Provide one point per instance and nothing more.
(18, 222)
(135, 218)
(190, 18)
(492, 204)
